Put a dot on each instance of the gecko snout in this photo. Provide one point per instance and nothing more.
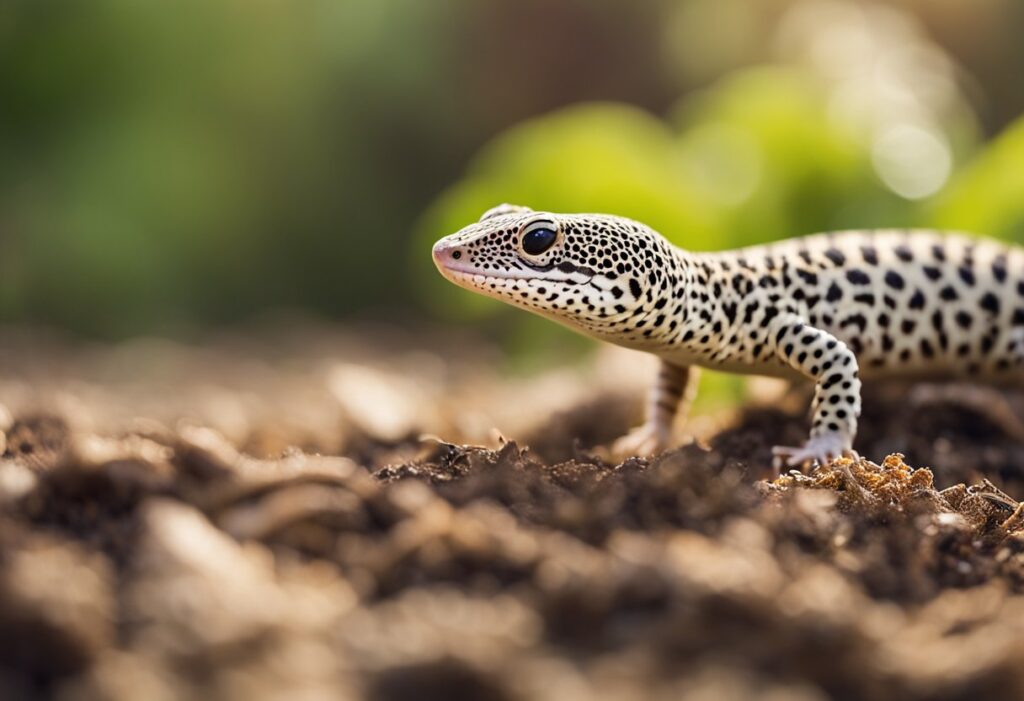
(448, 255)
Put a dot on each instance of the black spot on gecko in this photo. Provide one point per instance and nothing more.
(857, 277)
(999, 268)
(894, 280)
(857, 320)
(748, 313)
(730, 311)
(990, 303)
(836, 256)
(917, 301)
(807, 276)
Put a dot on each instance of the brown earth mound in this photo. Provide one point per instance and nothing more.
(165, 563)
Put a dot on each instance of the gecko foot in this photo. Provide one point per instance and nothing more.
(644, 441)
(821, 449)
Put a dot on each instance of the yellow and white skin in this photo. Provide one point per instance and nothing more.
(825, 308)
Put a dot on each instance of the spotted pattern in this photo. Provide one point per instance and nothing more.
(829, 307)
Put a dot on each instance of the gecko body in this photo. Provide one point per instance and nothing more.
(829, 308)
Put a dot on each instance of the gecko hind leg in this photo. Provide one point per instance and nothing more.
(669, 399)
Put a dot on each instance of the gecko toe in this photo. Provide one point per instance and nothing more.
(821, 450)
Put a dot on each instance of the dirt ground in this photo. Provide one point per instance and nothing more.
(303, 519)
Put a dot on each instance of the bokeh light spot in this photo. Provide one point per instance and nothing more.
(912, 161)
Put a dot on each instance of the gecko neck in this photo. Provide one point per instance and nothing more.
(666, 307)
(710, 304)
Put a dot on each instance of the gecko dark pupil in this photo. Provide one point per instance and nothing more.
(537, 241)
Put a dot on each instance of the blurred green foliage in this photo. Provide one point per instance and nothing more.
(168, 165)
(773, 164)
(987, 196)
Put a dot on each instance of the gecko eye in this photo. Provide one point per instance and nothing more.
(538, 240)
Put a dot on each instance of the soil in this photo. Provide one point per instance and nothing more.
(192, 556)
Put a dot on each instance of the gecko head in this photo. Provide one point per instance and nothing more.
(592, 272)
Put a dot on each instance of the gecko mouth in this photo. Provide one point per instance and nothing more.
(460, 275)
(452, 267)
(482, 279)
(490, 282)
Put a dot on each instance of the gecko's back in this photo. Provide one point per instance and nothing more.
(905, 302)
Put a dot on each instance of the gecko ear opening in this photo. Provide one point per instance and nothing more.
(503, 209)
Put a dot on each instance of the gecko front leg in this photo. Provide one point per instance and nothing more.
(836, 407)
(670, 397)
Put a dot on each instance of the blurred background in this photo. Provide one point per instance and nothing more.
(168, 167)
